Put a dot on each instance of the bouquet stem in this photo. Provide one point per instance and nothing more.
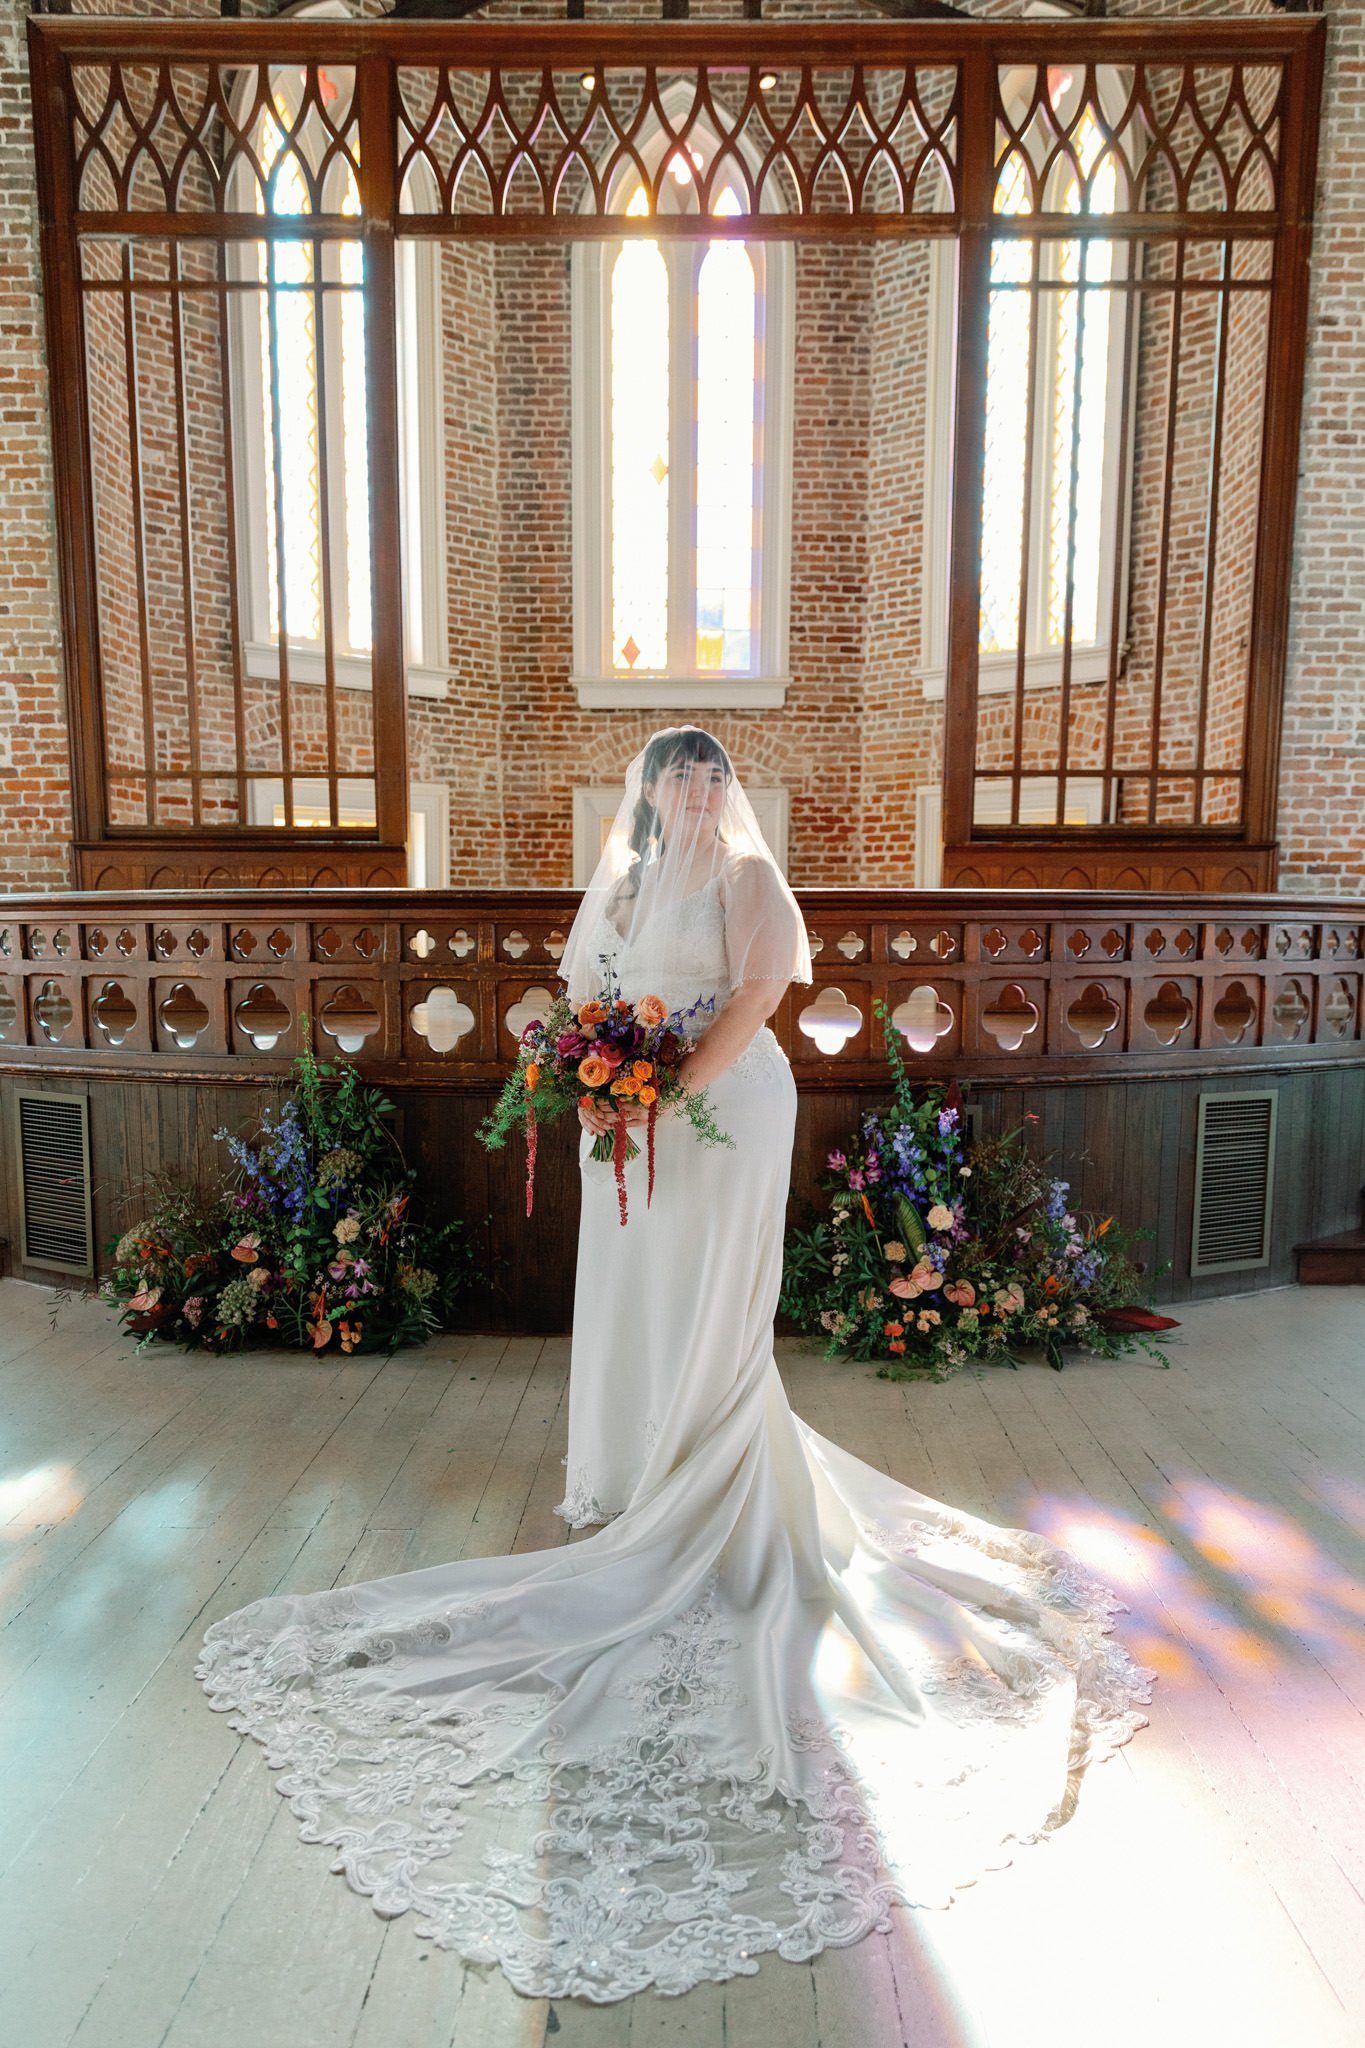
(604, 1147)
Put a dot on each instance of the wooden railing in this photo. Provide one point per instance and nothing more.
(432, 987)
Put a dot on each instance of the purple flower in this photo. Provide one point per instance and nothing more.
(855, 1180)
(837, 1162)
(572, 1045)
(947, 1119)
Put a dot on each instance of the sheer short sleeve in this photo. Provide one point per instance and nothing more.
(765, 933)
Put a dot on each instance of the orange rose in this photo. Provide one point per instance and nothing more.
(592, 1013)
(651, 1010)
(626, 1084)
(642, 1069)
(593, 1072)
(648, 1095)
(532, 1076)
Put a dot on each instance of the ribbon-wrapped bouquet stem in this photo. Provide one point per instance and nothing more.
(624, 1055)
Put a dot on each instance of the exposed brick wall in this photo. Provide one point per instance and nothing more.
(856, 737)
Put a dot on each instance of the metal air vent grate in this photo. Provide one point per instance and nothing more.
(1233, 1175)
(54, 1182)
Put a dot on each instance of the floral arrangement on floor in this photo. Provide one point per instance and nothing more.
(307, 1240)
(609, 1051)
(935, 1255)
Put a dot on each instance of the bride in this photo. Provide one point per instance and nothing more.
(775, 1694)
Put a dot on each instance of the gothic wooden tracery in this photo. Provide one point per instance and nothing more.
(1184, 149)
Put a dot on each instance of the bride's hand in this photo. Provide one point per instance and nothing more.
(597, 1117)
(594, 1116)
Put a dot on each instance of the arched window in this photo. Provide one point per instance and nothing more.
(682, 429)
(1058, 498)
(301, 462)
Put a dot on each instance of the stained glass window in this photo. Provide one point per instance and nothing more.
(683, 332)
(1081, 375)
(1007, 387)
(289, 367)
(1070, 378)
(726, 309)
(355, 451)
(290, 344)
(639, 454)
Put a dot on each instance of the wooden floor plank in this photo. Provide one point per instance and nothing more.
(1209, 1888)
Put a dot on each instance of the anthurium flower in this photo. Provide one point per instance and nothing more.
(247, 1249)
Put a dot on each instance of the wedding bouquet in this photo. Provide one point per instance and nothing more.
(610, 1051)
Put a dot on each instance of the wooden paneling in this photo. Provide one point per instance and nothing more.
(180, 1012)
(1126, 1147)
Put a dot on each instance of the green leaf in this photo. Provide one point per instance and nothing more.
(911, 1228)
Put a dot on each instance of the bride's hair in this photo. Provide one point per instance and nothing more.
(676, 743)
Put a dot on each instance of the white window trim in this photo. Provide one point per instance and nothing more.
(421, 456)
(595, 805)
(991, 806)
(428, 846)
(997, 673)
(598, 686)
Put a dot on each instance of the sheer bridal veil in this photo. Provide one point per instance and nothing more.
(684, 825)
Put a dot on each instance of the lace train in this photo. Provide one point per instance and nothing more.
(656, 1857)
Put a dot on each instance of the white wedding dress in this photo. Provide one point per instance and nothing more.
(775, 1696)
